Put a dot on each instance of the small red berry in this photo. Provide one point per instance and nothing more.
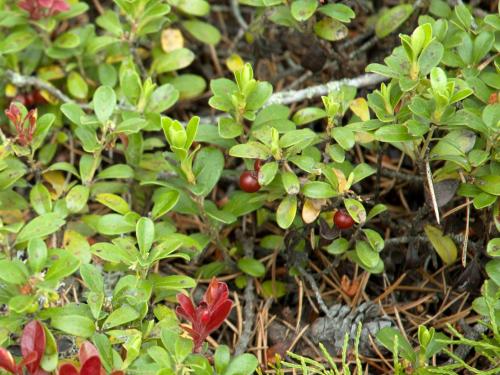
(249, 182)
(343, 220)
(257, 165)
(38, 98)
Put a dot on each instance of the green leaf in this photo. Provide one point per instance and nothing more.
(67, 40)
(164, 203)
(274, 289)
(13, 271)
(356, 210)
(431, 56)
(444, 245)
(375, 239)
(114, 224)
(104, 103)
(113, 201)
(77, 86)
(250, 150)
(75, 325)
(145, 233)
(303, 9)
(286, 212)
(203, 31)
(366, 254)
(16, 41)
(489, 184)
(121, 316)
(116, 171)
(267, 173)
(244, 364)
(77, 198)
(493, 248)
(493, 270)
(376, 210)
(330, 29)
(40, 227)
(37, 255)
(338, 246)
(362, 171)
(40, 199)
(393, 133)
(340, 12)
(207, 169)
(198, 8)
(344, 137)
(162, 98)
(392, 19)
(307, 115)
(229, 128)
(387, 336)
(251, 267)
(174, 60)
(65, 264)
(318, 190)
(92, 277)
(222, 357)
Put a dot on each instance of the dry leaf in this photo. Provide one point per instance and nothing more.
(171, 39)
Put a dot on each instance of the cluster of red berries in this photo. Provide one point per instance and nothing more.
(249, 180)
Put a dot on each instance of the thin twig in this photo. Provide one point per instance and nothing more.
(235, 8)
(315, 289)
(293, 96)
(245, 337)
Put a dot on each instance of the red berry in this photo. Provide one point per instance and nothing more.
(257, 165)
(30, 99)
(343, 220)
(249, 182)
(39, 99)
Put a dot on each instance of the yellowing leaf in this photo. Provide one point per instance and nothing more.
(234, 62)
(171, 39)
(57, 181)
(10, 90)
(363, 137)
(360, 107)
(311, 210)
(341, 179)
(51, 72)
(444, 245)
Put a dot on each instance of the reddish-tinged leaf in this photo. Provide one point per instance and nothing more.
(92, 366)
(87, 351)
(219, 315)
(68, 369)
(216, 292)
(7, 361)
(186, 308)
(118, 373)
(208, 315)
(33, 341)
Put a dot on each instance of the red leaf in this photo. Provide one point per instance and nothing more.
(92, 366)
(68, 369)
(216, 292)
(7, 361)
(87, 351)
(186, 308)
(33, 340)
(219, 315)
